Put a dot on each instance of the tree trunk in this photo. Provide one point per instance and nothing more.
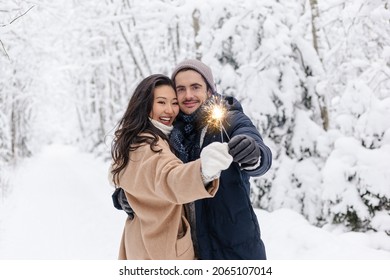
(314, 16)
(321, 99)
(196, 25)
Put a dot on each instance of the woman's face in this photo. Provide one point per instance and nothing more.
(165, 105)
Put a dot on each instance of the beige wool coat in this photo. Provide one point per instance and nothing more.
(156, 186)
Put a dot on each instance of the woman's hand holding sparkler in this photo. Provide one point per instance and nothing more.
(214, 158)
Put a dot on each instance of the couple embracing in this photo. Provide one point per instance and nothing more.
(184, 184)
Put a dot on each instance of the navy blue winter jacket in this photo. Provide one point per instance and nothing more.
(226, 225)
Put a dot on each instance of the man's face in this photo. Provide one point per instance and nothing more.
(191, 90)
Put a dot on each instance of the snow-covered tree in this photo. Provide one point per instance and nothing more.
(15, 99)
(356, 182)
(15, 82)
(259, 54)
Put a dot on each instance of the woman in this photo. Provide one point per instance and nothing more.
(155, 181)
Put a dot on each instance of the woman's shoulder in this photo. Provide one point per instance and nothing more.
(159, 143)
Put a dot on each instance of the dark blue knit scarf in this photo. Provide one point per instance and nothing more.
(185, 136)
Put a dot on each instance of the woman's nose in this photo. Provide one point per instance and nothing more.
(169, 109)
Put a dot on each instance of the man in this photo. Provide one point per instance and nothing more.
(226, 226)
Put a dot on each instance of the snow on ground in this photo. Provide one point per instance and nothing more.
(60, 208)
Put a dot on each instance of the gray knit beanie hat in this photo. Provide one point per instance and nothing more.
(198, 66)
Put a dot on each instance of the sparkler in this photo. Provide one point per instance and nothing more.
(216, 112)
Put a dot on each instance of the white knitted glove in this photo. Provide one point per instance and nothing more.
(214, 158)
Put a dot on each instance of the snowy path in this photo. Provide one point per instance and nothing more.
(60, 208)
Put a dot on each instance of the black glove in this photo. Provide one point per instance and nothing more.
(120, 202)
(244, 150)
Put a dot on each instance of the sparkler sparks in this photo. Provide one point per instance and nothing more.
(216, 113)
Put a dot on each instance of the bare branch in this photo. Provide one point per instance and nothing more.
(138, 40)
(22, 14)
(3, 25)
(5, 51)
(131, 50)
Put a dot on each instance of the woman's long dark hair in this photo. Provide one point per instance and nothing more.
(136, 121)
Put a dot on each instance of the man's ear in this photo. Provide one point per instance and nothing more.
(209, 94)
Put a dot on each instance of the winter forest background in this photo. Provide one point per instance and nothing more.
(314, 76)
